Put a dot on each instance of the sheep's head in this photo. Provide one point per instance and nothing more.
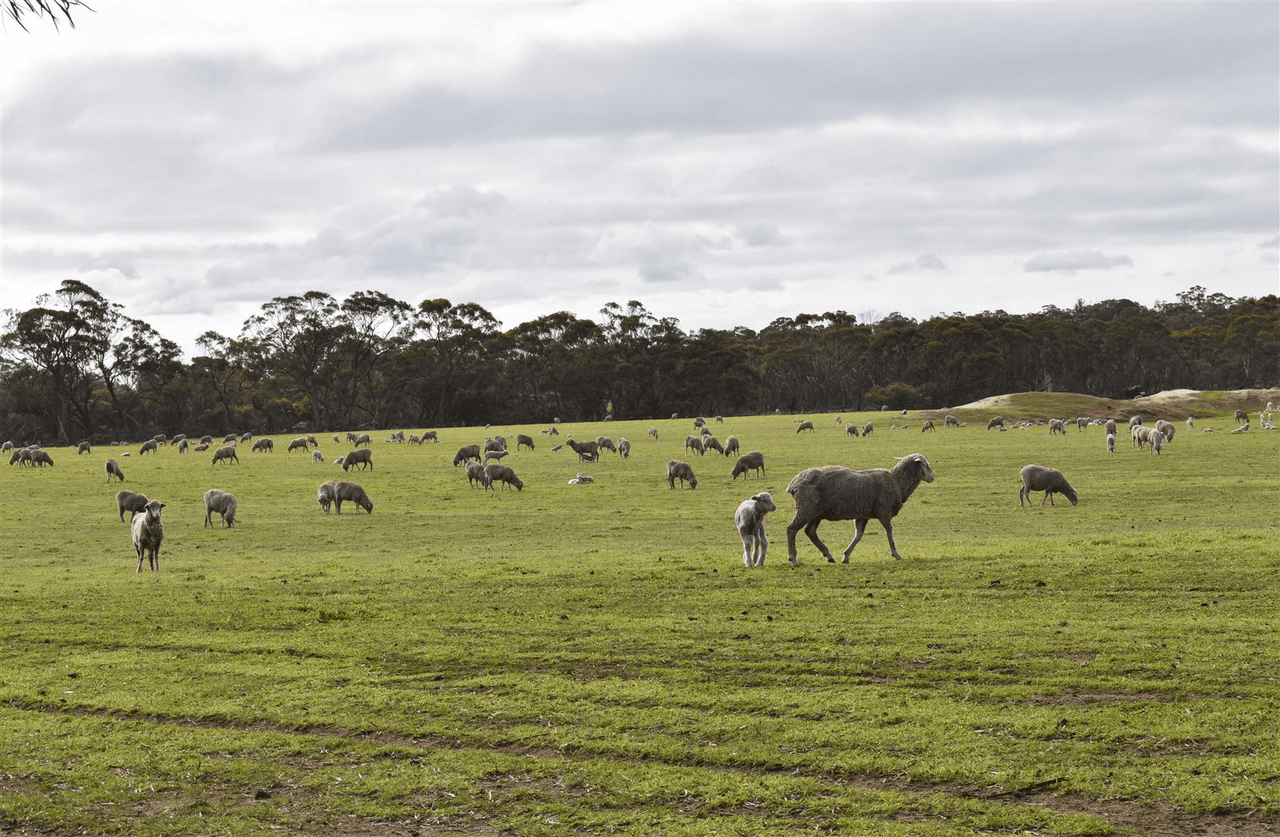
(1070, 493)
(764, 501)
(919, 464)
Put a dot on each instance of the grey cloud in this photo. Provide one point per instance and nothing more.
(928, 261)
(1075, 260)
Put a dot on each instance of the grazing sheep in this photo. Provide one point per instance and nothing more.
(160, 439)
(1082, 423)
(653, 433)
(21, 456)
(397, 437)
(41, 458)
(263, 445)
(1167, 428)
(298, 443)
(415, 439)
(182, 446)
(1111, 443)
(1110, 427)
(230, 437)
(1135, 420)
(834, 492)
(1157, 441)
(1049, 480)
(677, 470)
(952, 421)
(326, 494)
(317, 457)
(524, 441)
(497, 472)
(698, 421)
(362, 457)
(495, 454)
(8, 445)
(129, 501)
(997, 421)
(750, 520)
(217, 500)
(83, 448)
(496, 443)
(805, 425)
(353, 492)
(206, 440)
(867, 428)
(851, 430)
(1242, 416)
(228, 453)
(1057, 426)
(606, 443)
(149, 446)
(431, 436)
(113, 470)
(587, 451)
(476, 475)
(731, 446)
(244, 438)
(466, 452)
(927, 426)
(361, 439)
(624, 448)
(753, 461)
(148, 534)
(712, 443)
(695, 444)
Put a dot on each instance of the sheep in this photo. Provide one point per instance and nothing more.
(731, 446)
(148, 534)
(201, 448)
(1135, 420)
(206, 440)
(698, 421)
(1082, 423)
(1191, 423)
(1167, 428)
(415, 439)
(695, 444)
(996, 421)
(228, 453)
(653, 433)
(497, 443)
(551, 431)
(1270, 407)
(431, 436)
(1242, 428)
(362, 439)
(1110, 427)
(244, 438)
(1049, 480)
(624, 448)
(750, 521)
(1157, 441)
(677, 470)
(1111, 443)
(805, 425)
(8, 445)
(336, 440)
(353, 492)
(21, 456)
(704, 431)
(1056, 426)
(839, 421)
(952, 421)
(587, 451)
(263, 445)
(326, 494)
(495, 454)
(41, 458)
(834, 492)
(497, 472)
(129, 501)
(83, 448)
(160, 439)
(719, 419)
(113, 470)
(867, 428)
(397, 437)
(317, 457)
(712, 443)
(606, 443)
(1242, 416)
(523, 440)
(851, 430)
(476, 474)
(581, 479)
(230, 437)
(182, 446)
(466, 452)
(298, 443)
(753, 461)
(362, 457)
(217, 500)
(149, 446)
(927, 426)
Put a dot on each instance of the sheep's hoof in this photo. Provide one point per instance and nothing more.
(830, 560)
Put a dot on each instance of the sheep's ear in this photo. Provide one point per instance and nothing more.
(162, 505)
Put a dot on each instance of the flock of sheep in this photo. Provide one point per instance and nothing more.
(830, 492)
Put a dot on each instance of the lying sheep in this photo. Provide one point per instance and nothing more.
(148, 534)
(851, 430)
(217, 500)
(113, 470)
(361, 456)
(750, 521)
(1049, 480)
(927, 426)
(299, 443)
(1242, 428)
(326, 494)
(624, 448)
(834, 492)
(997, 421)
(129, 501)
(524, 441)
(497, 472)
(582, 479)
(677, 470)
(201, 448)
(466, 452)
(731, 446)
(805, 425)
(753, 461)
(228, 453)
(350, 491)
(495, 454)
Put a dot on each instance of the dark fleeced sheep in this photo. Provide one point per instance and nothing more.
(851, 429)
(834, 492)
(524, 441)
(149, 446)
(1049, 480)
(466, 452)
(113, 470)
(805, 425)
(351, 492)
(361, 456)
(148, 534)
(587, 451)
(130, 501)
(753, 461)
(496, 472)
(677, 470)
(996, 421)
(263, 445)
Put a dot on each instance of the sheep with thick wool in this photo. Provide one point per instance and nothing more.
(750, 521)
(148, 534)
(222, 502)
(1049, 480)
(834, 492)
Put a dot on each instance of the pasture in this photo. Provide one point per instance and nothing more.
(595, 659)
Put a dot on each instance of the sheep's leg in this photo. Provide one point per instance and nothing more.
(812, 531)
(792, 528)
(860, 527)
(139, 549)
(1047, 495)
(762, 547)
(887, 523)
(747, 550)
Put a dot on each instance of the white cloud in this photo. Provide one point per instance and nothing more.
(1075, 260)
(928, 261)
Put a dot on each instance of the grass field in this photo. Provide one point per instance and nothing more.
(596, 660)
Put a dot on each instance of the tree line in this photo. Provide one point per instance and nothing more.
(77, 367)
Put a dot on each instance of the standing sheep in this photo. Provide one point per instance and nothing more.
(41, 458)
(83, 448)
(624, 448)
(653, 433)
(113, 470)
(326, 494)
(228, 453)
(466, 452)
(606, 443)
(997, 421)
(217, 500)
(476, 475)
(695, 444)
(677, 470)
(132, 502)
(431, 436)
(1191, 423)
(1111, 443)
(317, 457)
(951, 421)
(750, 521)
(182, 445)
(731, 446)
(1049, 480)
(1242, 416)
(712, 443)
(866, 429)
(361, 456)
(927, 426)
(298, 443)
(851, 430)
(263, 445)
(1157, 441)
(497, 472)
(524, 441)
(587, 451)
(149, 446)
(1110, 427)
(352, 492)
(834, 492)
(362, 439)
(148, 534)
(495, 454)
(753, 461)
(805, 425)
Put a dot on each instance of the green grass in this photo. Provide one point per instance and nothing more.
(596, 659)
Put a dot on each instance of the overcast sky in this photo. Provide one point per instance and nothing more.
(723, 163)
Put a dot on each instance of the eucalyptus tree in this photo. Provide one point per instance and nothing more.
(294, 340)
(372, 329)
(643, 355)
(450, 360)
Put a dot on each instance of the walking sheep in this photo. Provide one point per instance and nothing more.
(834, 492)
(217, 500)
(132, 502)
(113, 470)
(677, 470)
(352, 492)
(148, 533)
(497, 472)
(228, 453)
(361, 456)
(1049, 480)
(753, 461)
(326, 495)
(750, 521)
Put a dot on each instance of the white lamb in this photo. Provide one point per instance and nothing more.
(750, 520)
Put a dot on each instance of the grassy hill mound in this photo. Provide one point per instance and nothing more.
(1172, 405)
